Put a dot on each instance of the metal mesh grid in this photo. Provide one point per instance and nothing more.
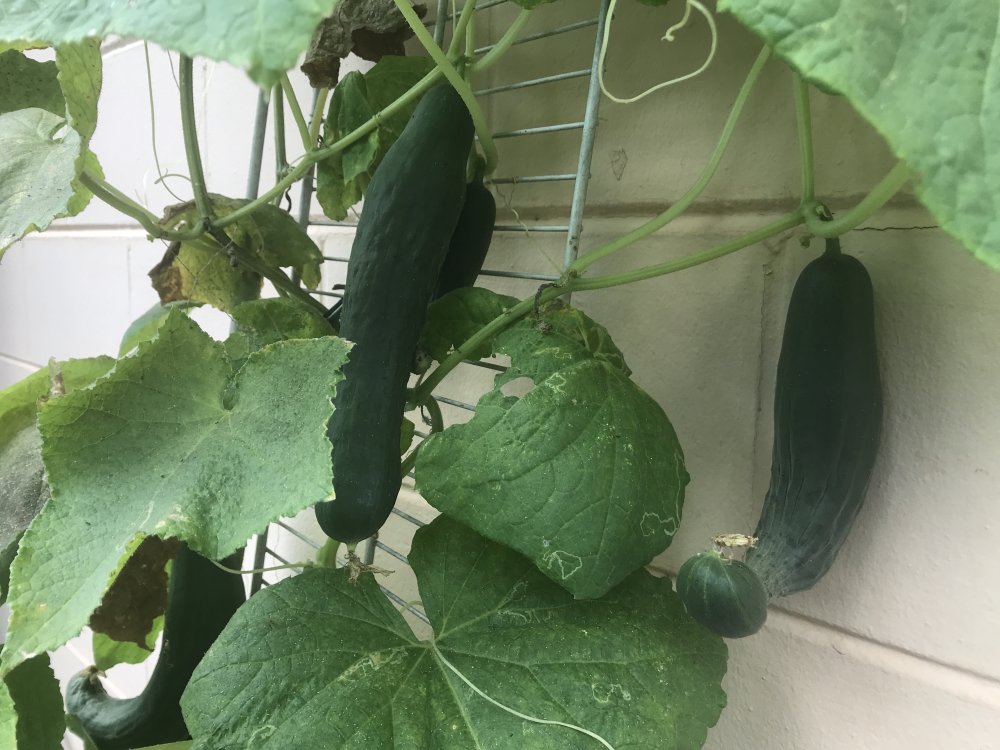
(264, 553)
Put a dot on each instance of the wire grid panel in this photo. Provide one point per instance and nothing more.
(512, 266)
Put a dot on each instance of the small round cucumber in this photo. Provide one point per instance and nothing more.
(724, 595)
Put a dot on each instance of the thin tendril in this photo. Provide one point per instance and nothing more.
(152, 128)
(669, 36)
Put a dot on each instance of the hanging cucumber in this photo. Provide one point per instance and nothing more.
(201, 600)
(827, 422)
(410, 214)
(469, 244)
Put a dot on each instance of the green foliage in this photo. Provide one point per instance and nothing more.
(583, 474)
(342, 179)
(643, 675)
(172, 446)
(35, 695)
(146, 326)
(109, 652)
(924, 78)
(27, 84)
(202, 271)
(457, 316)
(265, 37)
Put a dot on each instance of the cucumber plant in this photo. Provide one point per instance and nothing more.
(545, 624)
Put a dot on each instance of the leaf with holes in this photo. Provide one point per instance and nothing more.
(176, 446)
(925, 75)
(583, 474)
(631, 667)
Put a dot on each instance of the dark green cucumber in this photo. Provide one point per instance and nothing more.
(201, 600)
(468, 247)
(471, 240)
(724, 595)
(827, 423)
(410, 214)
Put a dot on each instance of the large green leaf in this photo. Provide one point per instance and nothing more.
(925, 75)
(264, 36)
(583, 474)
(39, 705)
(80, 76)
(174, 445)
(317, 661)
(23, 490)
(37, 172)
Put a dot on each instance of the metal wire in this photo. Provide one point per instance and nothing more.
(573, 229)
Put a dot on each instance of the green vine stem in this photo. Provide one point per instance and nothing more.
(803, 121)
(190, 131)
(504, 43)
(300, 169)
(316, 121)
(682, 204)
(458, 32)
(406, 466)
(123, 204)
(280, 157)
(300, 120)
(292, 566)
(573, 283)
(889, 185)
(455, 78)
(783, 224)
(434, 412)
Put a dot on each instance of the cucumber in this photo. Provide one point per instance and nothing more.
(410, 214)
(201, 600)
(724, 595)
(827, 424)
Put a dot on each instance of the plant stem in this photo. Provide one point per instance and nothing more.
(300, 120)
(300, 169)
(889, 185)
(190, 130)
(455, 79)
(458, 31)
(280, 157)
(803, 120)
(657, 223)
(316, 121)
(122, 203)
(434, 411)
(783, 224)
(574, 284)
(504, 43)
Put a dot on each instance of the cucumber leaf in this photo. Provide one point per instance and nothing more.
(631, 667)
(457, 316)
(23, 489)
(584, 474)
(265, 37)
(342, 179)
(146, 326)
(172, 446)
(8, 719)
(924, 74)
(35, 698)
(109, 652)
(43, 159)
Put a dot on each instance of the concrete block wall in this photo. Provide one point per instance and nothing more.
(896, 648)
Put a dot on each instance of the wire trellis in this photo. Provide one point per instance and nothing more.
(572, 229)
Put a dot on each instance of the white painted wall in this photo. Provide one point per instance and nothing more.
(896, 648)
